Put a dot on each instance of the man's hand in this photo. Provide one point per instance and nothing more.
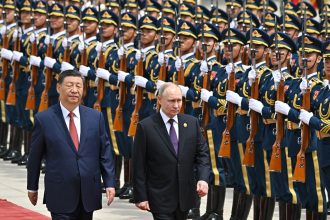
(202, 188)
(143, 205)
(110, 193)
(33, 197)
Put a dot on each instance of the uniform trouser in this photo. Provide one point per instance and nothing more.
(239, 172)
(326, 173)
(311, 194)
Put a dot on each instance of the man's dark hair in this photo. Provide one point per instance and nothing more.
(67, 73)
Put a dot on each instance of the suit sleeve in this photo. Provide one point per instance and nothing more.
(139, 165)
(38, 146)
(202, 159)
(106, 157)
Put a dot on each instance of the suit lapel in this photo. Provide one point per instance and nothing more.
(163, 133)
(182, 132)
(64, 129)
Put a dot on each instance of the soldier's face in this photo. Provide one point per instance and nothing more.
(39, 19)
(210, 43)
(129, 34)
(284, 56)
(293, 33)
(108, 30)
(169, 38)
(222, 26)
(327, 67)
(115, 10)
(56, 22)
(133, 11)
(270, 30)
(171, 101)
(169, 15)
(260, 51)
(312, 60)
(154, 14)
(187, 18)
(90, 26)
(237, 49)
(73, 24)
(233, 11)
(70, 90)
(25, 17)
(148, 36)
(187, 43)
(10, 16)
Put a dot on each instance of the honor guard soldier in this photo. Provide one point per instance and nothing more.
(72, 40)
(9, 35)
(114, 6)
(169, 9)
(55, 40)
(234, 42)
(310, 11)
(187, 12)
(90, 20)
(220, 19)
(252, 6)
(292, 26)
(290, 8)
(269, 24)
(319, 120)
(132, 7)
(202, 13)
(243, 21)
(309, 190)
(153, 8)
(20, 81)
(214, 121)
(266, 6)
(233, 8)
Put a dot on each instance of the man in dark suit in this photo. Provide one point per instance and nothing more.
(77, 150)
(168, 146)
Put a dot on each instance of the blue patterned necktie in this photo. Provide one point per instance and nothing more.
(173, 136)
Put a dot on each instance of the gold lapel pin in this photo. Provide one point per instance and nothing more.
(185, 125)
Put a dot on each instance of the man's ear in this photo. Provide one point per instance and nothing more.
(58, 86)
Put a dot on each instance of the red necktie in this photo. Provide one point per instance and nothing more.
(73, 131)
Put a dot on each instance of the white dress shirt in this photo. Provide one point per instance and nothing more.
(168, 125)
(76, 118)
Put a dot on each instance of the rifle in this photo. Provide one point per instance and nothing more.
(162, 72)
(139, 90)
(245, 57)
(44, 102)
(31, 100)
(181, 80)
(249, 151)
(66, 55)
(276, 158)
(5, 44)
(217, 25)
(326, 22)
(100, 84)
(119, 117)
(283, 16)
(206, 85)
(300, 169)
(83, 56)
(11, 97)
(225, 141)
(198, 53)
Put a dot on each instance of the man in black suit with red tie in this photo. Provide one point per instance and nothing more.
(74, 142)
(168, 146)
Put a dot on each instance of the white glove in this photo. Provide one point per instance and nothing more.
(47, 39)
(33, 37)
(276, 76)
(81, 46)
(3, 30)
(17, 55)
(98, 47)
(184, 90)
(6, 54)
(178, 63)
(84, 70)
(252, 76)
(305, 116)
(206, 94)
(15, 34)
(65, 42)
(121, 51)
(138, 55)
(204, 67)
(122, 75)
(229, 68)
(103, 74)
(96, 81)
(162, 58)
(140, 81)
(233, 97)
(325, 82)
(282, 107)
(303, 84)
(159, 83)
(35, 61)
(49, 62)
(66, 66)
(255, 105)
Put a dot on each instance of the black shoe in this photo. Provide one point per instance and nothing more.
(2, 149)
(12, 155)
(193, 213)
(214, 216)
(17, 159)
(43, 166)
(131, 200)
(121, 190)
(205, 216)
(24, 160)
(128, 194)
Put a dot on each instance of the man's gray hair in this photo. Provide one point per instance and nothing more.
(163, 88)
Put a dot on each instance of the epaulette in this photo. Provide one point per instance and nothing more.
(90, 47)
(59, 42)
(130, 50)
(315, 81)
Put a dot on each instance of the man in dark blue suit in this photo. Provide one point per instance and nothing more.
(77, 150)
